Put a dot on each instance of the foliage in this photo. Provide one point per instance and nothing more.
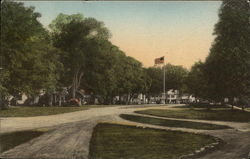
(29, 61)
(196, 82)
(76, 37)
(228, 64)
(175, 77)
(155, 75)
(75, 53)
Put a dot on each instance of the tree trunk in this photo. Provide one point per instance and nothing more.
(130, 98)
(120, 101)
(74, 88)
(231, 101)
(127, 101)
(51, 100)
(55, 99)
(60, 101)
(76, 81)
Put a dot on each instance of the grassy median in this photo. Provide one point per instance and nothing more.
(202, 114)
(173, 123)
(111, 141)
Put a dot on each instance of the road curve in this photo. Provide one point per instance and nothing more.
(71, 132)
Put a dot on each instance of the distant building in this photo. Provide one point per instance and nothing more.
(172, 96)
(187, 98)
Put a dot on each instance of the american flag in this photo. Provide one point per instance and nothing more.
(159, 60)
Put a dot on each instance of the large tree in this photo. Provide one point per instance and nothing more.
(100, 79)
(29, 61)
(175, 77)
(228, 64)
(155, 75)
(196, 82)
(74, 35)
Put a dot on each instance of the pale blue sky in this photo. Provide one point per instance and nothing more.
(146, 30)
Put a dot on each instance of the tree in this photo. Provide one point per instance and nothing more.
(155, 75)
(134, 75)
(228, 64)
(25, 48)
(100, 77)
(74, 37)
(175, 77)
(196, 82)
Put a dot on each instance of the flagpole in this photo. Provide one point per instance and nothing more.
(164, 90)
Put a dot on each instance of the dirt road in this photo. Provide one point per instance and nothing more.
(71, 133)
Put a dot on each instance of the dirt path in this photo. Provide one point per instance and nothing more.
(71, 134)
(236, 141)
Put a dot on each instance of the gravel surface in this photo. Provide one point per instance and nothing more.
(71, 132)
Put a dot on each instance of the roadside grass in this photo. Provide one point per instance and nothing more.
(30, 111)
(10, 140)
(202, 114)
(112, 141)
(24, 111)
(173, 123)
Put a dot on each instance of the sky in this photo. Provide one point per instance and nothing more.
(179, 30)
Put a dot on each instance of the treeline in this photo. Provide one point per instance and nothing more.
(74, 52)
(226, 71)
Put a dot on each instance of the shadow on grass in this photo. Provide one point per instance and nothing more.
(10, 140)
(207, 106)
(202, 114)
(173, 123)
(112, 141)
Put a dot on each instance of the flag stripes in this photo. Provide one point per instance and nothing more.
(159, 60)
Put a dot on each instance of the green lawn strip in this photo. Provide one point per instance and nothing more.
(10, 140)
(202, 114)
(111, 141)
(173, 123)
(29, 111)
(22, 111)
(202, 106)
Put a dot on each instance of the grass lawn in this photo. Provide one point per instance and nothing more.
(111, 141)
(10, 140)
(203, 106)
(172, 123)
(203, 114)
(28, 111)
(22, 111)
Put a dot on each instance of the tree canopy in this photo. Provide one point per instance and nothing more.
(228, 64)
(76, 53)
(25, 48)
